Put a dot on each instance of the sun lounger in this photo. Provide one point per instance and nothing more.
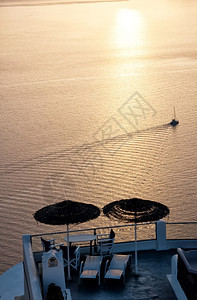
(91, 268)
(116, 269)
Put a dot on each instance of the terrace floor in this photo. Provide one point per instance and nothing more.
(151, 283)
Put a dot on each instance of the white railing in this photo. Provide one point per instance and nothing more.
(151, 236)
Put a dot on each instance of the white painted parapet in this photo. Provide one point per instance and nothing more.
(32, 289)
(173, 279)
(161, 235)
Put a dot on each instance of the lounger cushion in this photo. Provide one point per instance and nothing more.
(92, 263)
(89, 274)
(119, 261)
(113, 274)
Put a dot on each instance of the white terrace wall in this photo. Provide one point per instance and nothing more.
(32, 289)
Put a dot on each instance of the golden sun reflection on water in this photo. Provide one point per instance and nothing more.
(127, 31)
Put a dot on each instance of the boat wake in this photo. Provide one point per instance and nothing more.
(47, 3)
(111, 144)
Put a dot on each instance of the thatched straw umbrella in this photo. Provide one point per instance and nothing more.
(134, 211)
(67, 212)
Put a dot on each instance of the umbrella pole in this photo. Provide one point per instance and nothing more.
(136, 268)
(68, 253)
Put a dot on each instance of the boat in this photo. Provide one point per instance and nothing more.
(158, 276)
(174, 122)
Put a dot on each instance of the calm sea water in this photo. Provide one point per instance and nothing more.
(87, 91)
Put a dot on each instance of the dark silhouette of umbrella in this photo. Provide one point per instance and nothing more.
(67, 212)
(135, 210)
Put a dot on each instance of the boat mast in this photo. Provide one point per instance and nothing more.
(174, 122)
(174, 113)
